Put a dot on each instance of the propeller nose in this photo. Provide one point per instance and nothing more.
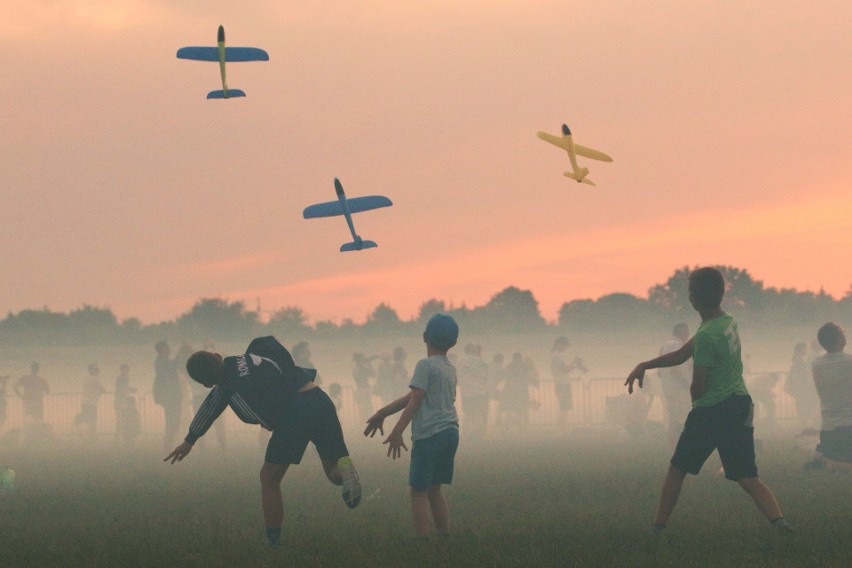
(565, 130)
(220, 37)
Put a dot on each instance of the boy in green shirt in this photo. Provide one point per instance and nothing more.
(722, 410)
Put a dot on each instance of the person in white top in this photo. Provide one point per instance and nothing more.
(833, 380)
(429, 406)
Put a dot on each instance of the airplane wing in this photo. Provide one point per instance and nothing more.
(244, 54)
(199, 53)
(555, 140)
(327, 209)
(356, 205)
(231, 54)
(368, 202)
(590, 153)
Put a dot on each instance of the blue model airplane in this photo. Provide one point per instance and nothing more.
(223, 54)
(347, 207)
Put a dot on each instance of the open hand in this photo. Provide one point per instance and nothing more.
(179, 453)
(375, 423)
(637, 374)
(395, 445)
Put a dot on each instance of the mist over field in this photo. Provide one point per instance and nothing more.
(532, 488)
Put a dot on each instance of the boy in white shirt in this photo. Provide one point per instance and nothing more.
(430, 408)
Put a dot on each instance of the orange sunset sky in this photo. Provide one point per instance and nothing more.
(123, 187)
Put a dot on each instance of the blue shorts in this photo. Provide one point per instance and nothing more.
(432, 460)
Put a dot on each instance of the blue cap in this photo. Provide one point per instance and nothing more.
(442, 331)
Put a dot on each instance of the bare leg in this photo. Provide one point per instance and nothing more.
(763, 497)
(270, 493)
(440, 510)
(420, 509)
(669, 495)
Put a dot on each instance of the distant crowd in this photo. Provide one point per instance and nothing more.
(495, 394)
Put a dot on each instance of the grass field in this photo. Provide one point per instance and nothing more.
(537, 500)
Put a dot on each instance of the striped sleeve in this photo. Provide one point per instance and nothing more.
(211, 408)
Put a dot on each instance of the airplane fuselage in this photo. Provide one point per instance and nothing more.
(341, 197)
(572, 155)
(220, 41)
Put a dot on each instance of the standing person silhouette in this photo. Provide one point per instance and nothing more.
(32, 388)
(722, 410)
(167, 392)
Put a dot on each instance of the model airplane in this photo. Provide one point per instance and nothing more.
(566, 142)
(223, 54)
(347, 207)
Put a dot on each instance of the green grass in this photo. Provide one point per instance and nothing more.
(536, 501)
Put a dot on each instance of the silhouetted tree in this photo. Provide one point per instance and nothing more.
(429, 308)
(673, 294)
(35, 326)
(612, 311)
(218, 319)
(576, 313)
(383, 319)
(288, 321)
(511, 309)
(742, 290)
(90, 324)
(326, 328)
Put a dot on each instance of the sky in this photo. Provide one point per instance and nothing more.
(123, 187)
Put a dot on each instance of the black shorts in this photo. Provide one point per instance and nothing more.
(727, 427)
(836, 444)
(309, 416)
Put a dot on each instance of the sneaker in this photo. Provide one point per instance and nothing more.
(782, 526)
(351, 483)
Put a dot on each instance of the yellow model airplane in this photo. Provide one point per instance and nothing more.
(566, 142)
(222, 54)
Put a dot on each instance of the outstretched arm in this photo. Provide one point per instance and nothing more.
(672, 359)
(377, 420)
(394, 439)
(214, 404)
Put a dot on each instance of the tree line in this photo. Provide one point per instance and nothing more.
(511, 310)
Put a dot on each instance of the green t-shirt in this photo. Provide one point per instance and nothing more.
(716, 345)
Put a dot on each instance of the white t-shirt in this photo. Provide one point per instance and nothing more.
(437, 376)
(833, 380)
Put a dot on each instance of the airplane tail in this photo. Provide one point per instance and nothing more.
(357, 246)
(221, 94)
(580, 176)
